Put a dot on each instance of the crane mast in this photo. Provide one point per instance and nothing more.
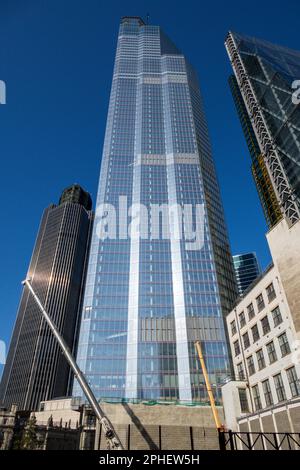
(218, 423)
(113, 442)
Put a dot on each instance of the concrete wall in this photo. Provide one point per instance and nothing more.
(279, 419)
(71, 417)
(65, 409)
(284, 243)
(139, 426)
(231, 402)
(59, 439)
(168, 415)
(156, 437)
(163, 427)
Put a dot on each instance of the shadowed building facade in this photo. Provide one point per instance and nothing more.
(35, 369)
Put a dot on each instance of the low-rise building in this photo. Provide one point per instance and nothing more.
(12, 423)
(61, 411)
(264, 343)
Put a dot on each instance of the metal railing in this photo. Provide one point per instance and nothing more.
(237, 440)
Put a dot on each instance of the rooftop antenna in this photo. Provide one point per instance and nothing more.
(147, 20)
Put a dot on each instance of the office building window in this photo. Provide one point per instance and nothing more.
(271, 292)
(267, 392)
(256, 398)
(279, 387)
(246, 340)
(260, 302)
(260, 359)
(277, 318)
(271, 352)
(265, 325)
(240, 371)
(284, 344)
(251, 366)
(293, 381)
(237, 349)
(243, 400)
(255, 333)
(250, 311)
(233, 327)
(242, 319)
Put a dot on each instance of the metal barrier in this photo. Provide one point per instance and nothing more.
(236, 440)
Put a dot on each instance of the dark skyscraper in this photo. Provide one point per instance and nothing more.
(246, 270)
(35, 369)
(263, 89)
(148, 298)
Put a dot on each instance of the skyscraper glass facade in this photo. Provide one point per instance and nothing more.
(246, 270)
(149, 298)
(267, 195)
(266, 76)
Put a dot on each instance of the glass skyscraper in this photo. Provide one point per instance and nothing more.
(246, 270)
(148, 298)
(266, 77)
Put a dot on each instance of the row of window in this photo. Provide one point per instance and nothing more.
(267, 391)
(279, 387)
(265, 325)
(272, 355)
(260, 303)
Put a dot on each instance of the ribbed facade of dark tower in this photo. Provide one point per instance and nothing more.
(35, 368)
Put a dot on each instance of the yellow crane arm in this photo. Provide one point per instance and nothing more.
(208, 386)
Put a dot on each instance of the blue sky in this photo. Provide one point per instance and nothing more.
(56, 58)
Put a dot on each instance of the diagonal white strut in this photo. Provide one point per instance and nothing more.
(110, 434)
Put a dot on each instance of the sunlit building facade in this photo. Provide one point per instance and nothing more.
(148, 299)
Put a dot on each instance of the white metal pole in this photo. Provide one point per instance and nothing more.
(109, 431)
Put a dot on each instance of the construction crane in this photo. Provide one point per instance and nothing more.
(113, 441)
(218, 423)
